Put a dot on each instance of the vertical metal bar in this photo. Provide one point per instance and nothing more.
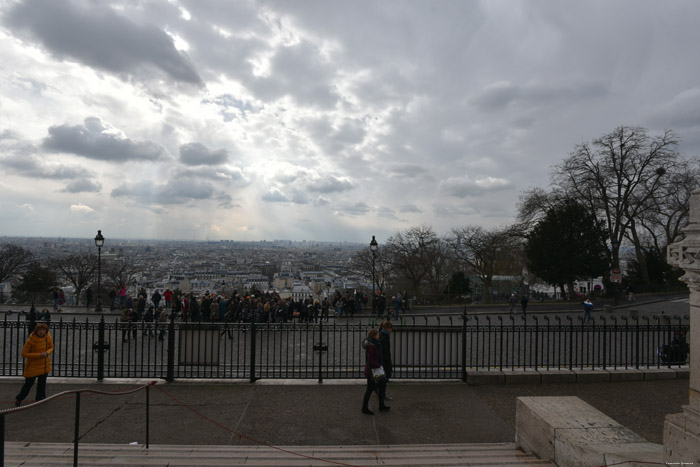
(253, 332)
(500, 356)
(148, 414)
(101, 349)
(76, 433)
(2, 440)
(604, 333)
(170, 372)
(464, 345)
(637, 349)
(320, 352)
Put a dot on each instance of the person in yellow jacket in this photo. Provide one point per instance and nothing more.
(37, 352)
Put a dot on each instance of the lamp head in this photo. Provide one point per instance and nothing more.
(99, 239)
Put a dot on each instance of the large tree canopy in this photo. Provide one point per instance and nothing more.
(567, 245)
(36, 284)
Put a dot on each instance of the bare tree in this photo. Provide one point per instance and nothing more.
(79, 269)
(410, 254)
(13, 258)
(615, 177)
(118, 273)
(489, 252)
(361, 262)
(666, 213)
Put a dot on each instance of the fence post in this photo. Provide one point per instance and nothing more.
(76, 434)
(2, 440)
(500, 357)
(148, 414)
(252, 348)
(637, 350)
(320, 351)
(101, 349)
(170, 372)
(464, 345)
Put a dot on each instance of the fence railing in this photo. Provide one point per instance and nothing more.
(76, 419)
(422, 347)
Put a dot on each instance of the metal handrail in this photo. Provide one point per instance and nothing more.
(76, 435)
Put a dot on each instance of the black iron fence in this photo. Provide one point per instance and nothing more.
(426, 347)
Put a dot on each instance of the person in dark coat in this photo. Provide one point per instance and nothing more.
(385, 345)
(372, 361)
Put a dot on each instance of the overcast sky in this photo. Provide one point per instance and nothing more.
(319, 120)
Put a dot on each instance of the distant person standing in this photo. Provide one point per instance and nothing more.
(630, 294)
(122, 296)
(168, 296)
(112, 297)
(156, 299)
(513, 302)
(523, 304)
(32, 317)
(36, 351)
(88, 297)
(587, 308)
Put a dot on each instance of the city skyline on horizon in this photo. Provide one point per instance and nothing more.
(319, 121)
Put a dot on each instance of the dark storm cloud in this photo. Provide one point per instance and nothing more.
(18, 157)
(298, 72)
(33, 167)
(96, 35)
(357, 209)
(83, 186)
(410, 208)
(230, 174)
(173, 192)
(199, 154)
(275, 195)
(330, 184)
(407, 170)
(95, 140)
(501, 94)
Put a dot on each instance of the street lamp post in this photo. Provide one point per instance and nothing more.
(99, 241)
(373, 246)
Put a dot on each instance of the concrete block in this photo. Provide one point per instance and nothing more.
(659, 373)
(626, 375)
(568, 431)
(682, 372)
(557, 376)
(522, 376)
(485, 377)
(591, 376)
(682, 437)
(538, 418)
(587, 447)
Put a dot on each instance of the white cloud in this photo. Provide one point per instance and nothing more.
(318, 120)
(81, 209)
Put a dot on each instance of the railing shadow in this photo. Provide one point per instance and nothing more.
(76, 433)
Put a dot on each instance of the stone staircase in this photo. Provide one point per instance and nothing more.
(55, 454)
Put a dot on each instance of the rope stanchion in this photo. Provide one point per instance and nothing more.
(242, 436)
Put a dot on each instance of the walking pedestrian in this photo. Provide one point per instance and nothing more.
(587, 308)
(373, 362)
(385, 356)
(36, 351)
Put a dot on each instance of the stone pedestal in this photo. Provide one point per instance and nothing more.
(682, 431)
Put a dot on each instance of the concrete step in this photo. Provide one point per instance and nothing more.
(57, 454)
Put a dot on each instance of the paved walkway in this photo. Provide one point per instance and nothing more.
(309, 414)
